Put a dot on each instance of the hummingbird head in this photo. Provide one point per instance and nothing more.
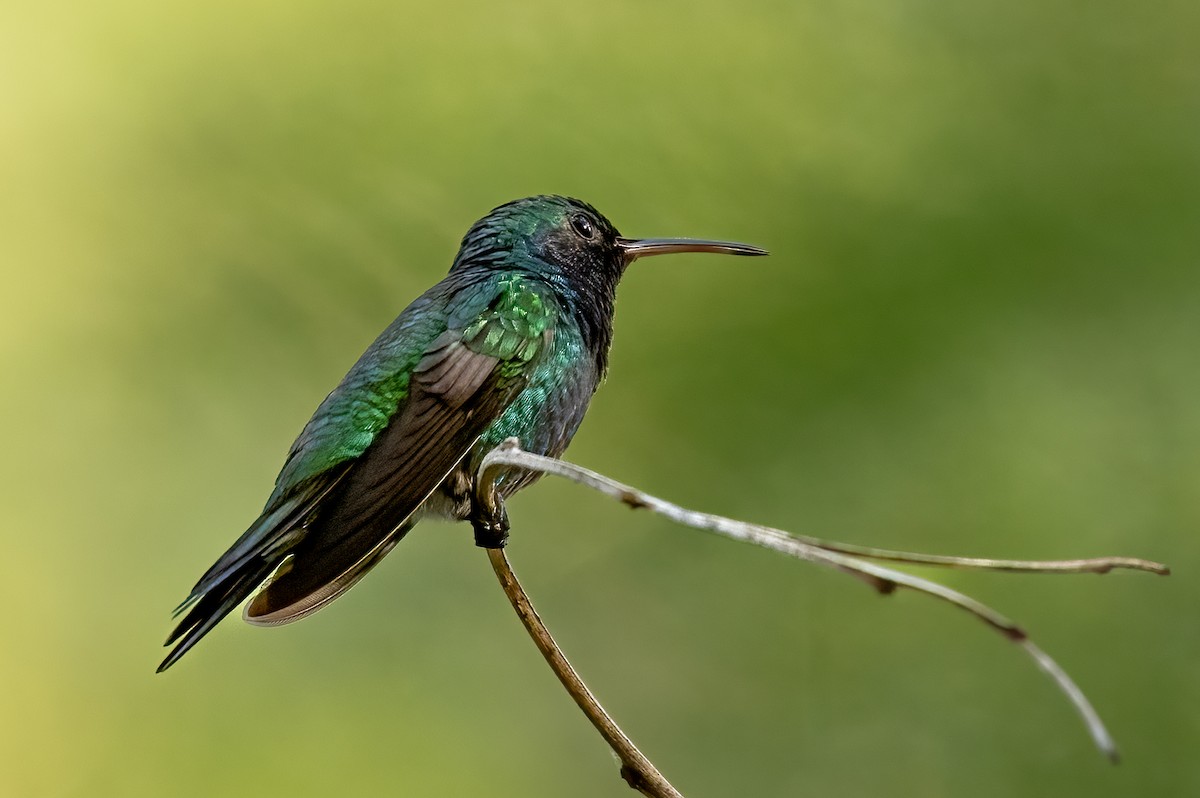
(571, 246)
(559, 238)
(569, 238)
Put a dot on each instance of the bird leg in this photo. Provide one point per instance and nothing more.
(489, 519)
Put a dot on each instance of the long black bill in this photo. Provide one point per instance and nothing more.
(635, 248)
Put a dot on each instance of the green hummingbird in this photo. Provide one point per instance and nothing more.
(512, 343)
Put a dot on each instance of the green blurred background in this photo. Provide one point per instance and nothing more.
(978, 333)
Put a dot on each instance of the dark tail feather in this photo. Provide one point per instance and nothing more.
(208, 609)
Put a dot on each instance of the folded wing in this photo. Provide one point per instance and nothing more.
(336, 525)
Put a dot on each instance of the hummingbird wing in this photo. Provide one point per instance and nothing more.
(338, 519)
(463, 382)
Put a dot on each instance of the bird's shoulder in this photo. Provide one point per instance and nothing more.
(510, 319)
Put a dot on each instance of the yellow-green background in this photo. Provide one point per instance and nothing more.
(978, 333)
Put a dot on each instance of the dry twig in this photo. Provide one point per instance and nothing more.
(636, 769)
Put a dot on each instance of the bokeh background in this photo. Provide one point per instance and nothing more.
(978, 334)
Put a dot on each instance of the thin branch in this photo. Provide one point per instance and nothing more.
(838, 556)
(1089, 565)
(636, 769)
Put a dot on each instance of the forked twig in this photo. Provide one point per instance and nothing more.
(847, 558)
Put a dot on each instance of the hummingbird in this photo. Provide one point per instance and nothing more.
(513, 342)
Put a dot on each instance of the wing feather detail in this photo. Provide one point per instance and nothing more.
(462, 384)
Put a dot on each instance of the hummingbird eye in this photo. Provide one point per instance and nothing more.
(583, 225)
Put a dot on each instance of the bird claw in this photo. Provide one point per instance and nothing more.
(491, 528)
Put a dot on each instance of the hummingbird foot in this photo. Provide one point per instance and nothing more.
(490, 525)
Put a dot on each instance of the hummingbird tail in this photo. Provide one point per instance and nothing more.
(206, 609)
